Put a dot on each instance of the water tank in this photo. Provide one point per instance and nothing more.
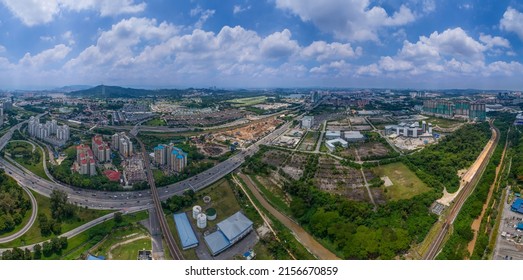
(195, 211)
(211, 214)
(201, 221)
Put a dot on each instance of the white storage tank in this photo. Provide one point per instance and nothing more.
(201, 221)
(211, 214)
(195, 211)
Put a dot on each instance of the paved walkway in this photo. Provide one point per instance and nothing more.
(301, 235)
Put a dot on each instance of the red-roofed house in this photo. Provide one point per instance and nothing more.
(112, 175)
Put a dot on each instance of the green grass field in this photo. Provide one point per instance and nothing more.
(405, 182)
(84, 241)
(129, 251)
(249, 101)
(443, 123)
(37, 168)
(156, 122)
(115, 243)
(33, 235)
(222, 199)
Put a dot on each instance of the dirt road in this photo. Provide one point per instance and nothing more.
(303, 237)
(477, 222)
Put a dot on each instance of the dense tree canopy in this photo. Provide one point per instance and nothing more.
(456, 151)
(13, 203)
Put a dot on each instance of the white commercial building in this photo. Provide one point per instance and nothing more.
(331, 144)
(413, 130)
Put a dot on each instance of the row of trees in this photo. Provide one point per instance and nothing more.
(61, 210)
(55, 246)
(177, 202)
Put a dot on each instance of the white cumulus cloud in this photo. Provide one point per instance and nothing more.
(512, 21)
(35, 12)
(353, 20)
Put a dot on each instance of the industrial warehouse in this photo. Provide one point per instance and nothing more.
(226, 233)
(185, 231)
(230, 231)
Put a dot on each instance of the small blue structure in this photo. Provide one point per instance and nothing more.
(185, 231)
(95, 258)
(230, 231)
(517, 206)
(520, 226)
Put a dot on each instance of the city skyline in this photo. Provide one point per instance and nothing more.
(259, 44)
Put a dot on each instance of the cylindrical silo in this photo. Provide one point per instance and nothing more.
(211, 214)
(201, 220)
(195, 211)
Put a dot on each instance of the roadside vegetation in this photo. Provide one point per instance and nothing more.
(456, 246)
(55, 216)
(14, 205)
(23, 154)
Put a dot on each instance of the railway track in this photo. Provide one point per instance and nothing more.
(460, 200)
(166, 232)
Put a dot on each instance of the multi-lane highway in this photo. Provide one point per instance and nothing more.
(123, 200)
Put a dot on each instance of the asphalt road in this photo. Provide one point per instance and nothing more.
(86, 226)
(122, 200)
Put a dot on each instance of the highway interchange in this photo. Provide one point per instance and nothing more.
(126, 202)
(122, 200)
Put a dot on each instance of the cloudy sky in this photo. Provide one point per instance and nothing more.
(421, 44)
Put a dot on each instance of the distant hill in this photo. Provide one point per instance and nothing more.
(120, 92)
(72, 88)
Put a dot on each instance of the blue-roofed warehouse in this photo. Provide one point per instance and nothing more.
(230, 231)
(95, 258)
(185, 231)
(517, 205)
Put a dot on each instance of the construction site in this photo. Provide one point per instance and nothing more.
(250, 133)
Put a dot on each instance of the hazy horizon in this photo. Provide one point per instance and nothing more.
(418, 44)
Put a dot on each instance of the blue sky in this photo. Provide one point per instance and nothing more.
(423, 44)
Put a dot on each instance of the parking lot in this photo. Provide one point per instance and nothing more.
(509, 244)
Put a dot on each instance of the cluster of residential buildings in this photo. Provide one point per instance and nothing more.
(170, 157)
(85, 163)
(122, 143)
(411, 130)
(87, 157)
(455, 109)
(101, 149)
(49, 132)
(4, 106)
